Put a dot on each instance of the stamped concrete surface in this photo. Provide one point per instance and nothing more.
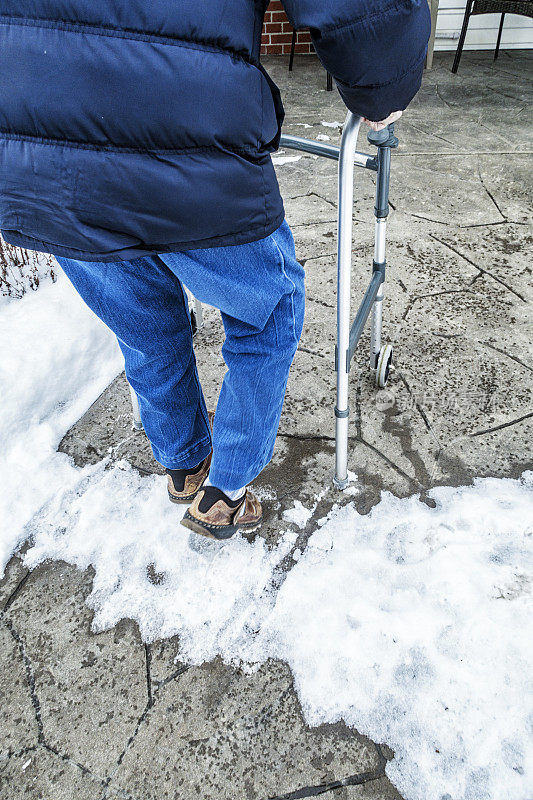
(99, 716)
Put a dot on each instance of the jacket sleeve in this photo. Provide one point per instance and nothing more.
(375, 49)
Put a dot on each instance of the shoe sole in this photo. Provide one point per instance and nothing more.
(227, 532)
(185, 499)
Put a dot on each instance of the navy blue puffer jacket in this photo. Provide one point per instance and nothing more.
(141, 126)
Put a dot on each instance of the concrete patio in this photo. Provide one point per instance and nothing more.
(97, 716)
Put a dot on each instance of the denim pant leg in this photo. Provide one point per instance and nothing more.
(259, 289)
(144, 304)
(253, 391)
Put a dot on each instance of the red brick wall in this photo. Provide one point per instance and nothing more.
(277, 33)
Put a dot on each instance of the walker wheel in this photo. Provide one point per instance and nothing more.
(384, 365)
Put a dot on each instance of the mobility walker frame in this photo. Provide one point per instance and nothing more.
(372, 303)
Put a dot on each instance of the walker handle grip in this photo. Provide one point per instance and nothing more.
(383, 138)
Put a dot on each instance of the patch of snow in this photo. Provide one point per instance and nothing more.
(332, 124)
(304, 125)
(285, 159)
(265, 492)
(298, 514)
(57, 358)
(323, 138)
(409, 623)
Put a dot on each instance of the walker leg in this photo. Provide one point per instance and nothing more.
(198, 310)
(381, 356)
(377, 308)
(137, 423)
(344, 264)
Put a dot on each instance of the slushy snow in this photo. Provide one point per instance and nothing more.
(57, 358)
(410, 623)
(281, 159)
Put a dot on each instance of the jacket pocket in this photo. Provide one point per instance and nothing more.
(272, 143)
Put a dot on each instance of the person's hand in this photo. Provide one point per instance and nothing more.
(378, 126)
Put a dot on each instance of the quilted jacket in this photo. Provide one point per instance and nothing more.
(145, 126)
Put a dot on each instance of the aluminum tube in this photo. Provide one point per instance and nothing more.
(198, 310)
(363, 312)
(379, 242)
(375, 330)
(344, 265)
(136, 414)
(321, 149)
(377, 309)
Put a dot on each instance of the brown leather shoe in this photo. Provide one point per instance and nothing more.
(188, 490)
(213, 514)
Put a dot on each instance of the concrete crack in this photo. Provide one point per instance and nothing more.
(503, 425)
(444, 291)
(172, 677)
(30, 676)
(311, 352)
(490, 224)
(16, 591)
(320, 302)
(508, 355)
(441, 98)
(428, 219)
(312, 224)
(314, 194)
(412, 481)
(131, 739)
(417, 405)
(503, 94)
(148, 661)
(429, 133)
(24, 751)
(314, 791)
(446, 335)
(494, 133)
(306, 438)
(416, 297)
(476, 266)
(502, 215)
(358, 411)
(322, 255)
(69, 760)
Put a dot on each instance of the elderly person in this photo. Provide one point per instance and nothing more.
(135, 146)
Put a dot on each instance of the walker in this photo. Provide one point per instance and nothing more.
(347, 335)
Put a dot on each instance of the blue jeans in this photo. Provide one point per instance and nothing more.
(259, 289)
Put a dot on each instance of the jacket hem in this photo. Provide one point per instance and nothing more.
(252, 234)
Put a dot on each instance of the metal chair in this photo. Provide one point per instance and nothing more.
(503, 7)
(329, 79)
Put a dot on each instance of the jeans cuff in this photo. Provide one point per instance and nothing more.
(189, 458)
(232, 482)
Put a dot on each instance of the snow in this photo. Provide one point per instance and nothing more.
(278, 160)
(413, 625)
(332, 124)
(410, 623)
(323, 138)
(298, 514)
(57, 357)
